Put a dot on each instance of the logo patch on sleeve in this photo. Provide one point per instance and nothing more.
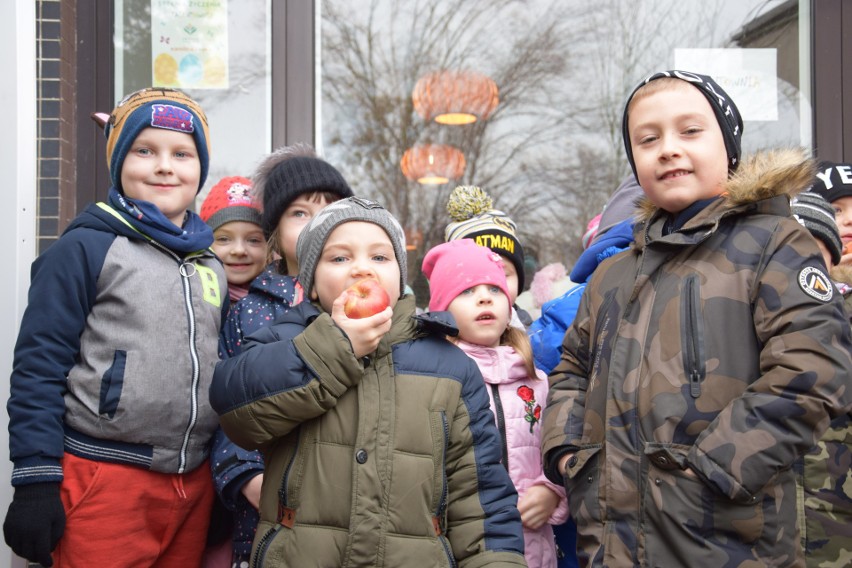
(816, 284)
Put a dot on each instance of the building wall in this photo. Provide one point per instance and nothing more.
(48, 85)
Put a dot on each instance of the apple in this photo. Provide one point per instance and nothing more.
(848, 248)
(364, 299)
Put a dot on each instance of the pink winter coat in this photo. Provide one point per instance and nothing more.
(517, 407)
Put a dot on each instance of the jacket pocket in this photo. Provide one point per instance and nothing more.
(685, 519)
(111, 385)
(692, 335)
(582, 484)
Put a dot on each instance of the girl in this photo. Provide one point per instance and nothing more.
(468, 280)
(293, 184)
(238, 239)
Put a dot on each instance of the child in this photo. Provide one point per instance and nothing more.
(376, 432)
(704, 360)
(108, 413)
(825, 502)
(293, 184)
(473, 217)
(834, 183)
(468, 281)
(238, 240)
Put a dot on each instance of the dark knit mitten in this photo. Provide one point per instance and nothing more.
(35, 522)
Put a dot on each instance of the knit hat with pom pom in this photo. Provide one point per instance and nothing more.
(471, 210)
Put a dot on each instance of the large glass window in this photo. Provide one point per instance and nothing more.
(219, 53)
(546, 82)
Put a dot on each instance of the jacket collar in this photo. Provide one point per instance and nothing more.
(764, 183)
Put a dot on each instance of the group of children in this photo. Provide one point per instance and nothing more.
(703, 365)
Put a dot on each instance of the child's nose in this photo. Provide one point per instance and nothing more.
(362, 269)
(164, 163)
(669, 147)
(485, 298)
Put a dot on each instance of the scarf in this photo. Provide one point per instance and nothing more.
(146, 218)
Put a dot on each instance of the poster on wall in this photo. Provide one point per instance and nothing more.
(189, 44)
(749, 76)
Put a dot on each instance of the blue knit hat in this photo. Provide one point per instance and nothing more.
(154, 108)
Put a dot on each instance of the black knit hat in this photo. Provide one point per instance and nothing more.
(727, 114)
(834, 180)
(817, 215)
(284, 178)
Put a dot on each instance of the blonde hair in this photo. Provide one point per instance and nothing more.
(520, 341)
(654, 87)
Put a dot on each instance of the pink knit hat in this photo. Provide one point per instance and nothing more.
(455, 266)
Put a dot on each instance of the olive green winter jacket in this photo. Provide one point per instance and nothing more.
(392, 460)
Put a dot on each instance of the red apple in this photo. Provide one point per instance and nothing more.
(364, 299)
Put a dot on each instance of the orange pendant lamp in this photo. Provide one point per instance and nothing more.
(432, 164)
(455, 97)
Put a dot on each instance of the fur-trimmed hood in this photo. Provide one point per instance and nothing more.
(766, 174)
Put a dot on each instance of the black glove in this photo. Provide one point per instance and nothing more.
(35, 522)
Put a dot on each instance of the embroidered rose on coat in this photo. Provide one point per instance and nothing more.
(533, 411)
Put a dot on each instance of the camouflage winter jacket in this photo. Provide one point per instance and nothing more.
(700, 366)
(825, 501)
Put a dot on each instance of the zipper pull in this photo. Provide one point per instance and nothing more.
(694, 384)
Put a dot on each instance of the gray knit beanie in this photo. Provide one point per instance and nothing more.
(313, 237)
(817, 216)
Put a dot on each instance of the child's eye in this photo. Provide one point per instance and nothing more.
(299, 213)
(494, 289)
(256, 242)
(222, 240)
(143, 151)
(381, 257)
(181, 155)
(337, 259)
(468, 291)
(692, 130)
(647, 140)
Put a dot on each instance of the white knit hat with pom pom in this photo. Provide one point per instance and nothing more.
(471, 210)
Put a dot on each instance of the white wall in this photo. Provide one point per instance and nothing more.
(17, 216)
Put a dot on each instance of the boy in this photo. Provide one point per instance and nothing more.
(108, 413)
(473, 217)
(704, 360)
(824, 472)
(834, 183)
(379, 445)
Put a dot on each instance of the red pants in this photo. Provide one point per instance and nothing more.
(120, 515)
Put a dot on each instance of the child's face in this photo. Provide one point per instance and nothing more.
(162, 167)
(297, 215)
(511, 278)
(843, 216)
(353, 251)
(481, 314)
(242, 248)
(678, 148)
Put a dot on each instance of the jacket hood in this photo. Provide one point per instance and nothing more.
(98, 217)
(761, 176)
(615, 240)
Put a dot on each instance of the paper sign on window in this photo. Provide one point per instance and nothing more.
(749, 76)
(189, 43)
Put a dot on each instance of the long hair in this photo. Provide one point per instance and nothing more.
(520, 341)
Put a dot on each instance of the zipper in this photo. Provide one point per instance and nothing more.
(692, 336)
(263, 545)
(442, 504)
(285, 479)
(184, 266)
(501, 424)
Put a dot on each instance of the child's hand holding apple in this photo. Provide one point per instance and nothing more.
(363, 312)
